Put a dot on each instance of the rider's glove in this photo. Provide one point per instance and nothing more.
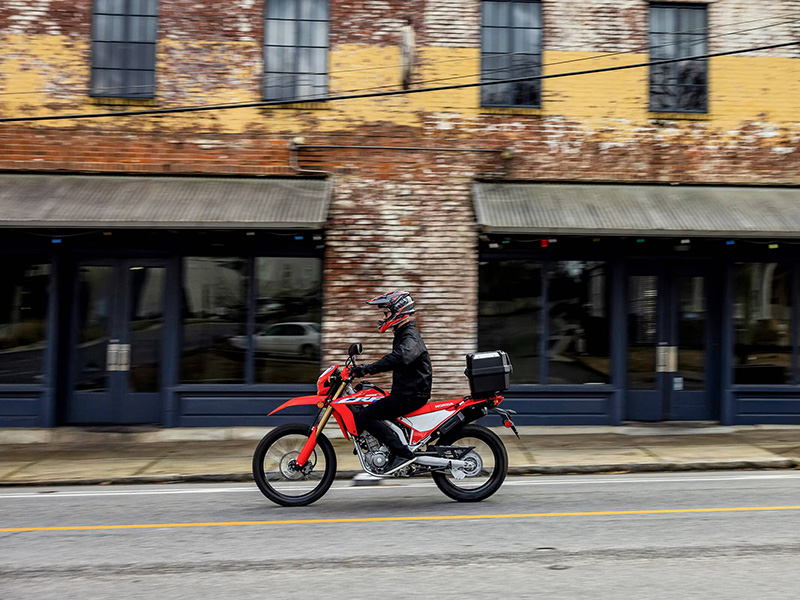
(359, 371)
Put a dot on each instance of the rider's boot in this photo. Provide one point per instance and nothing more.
(402, 458)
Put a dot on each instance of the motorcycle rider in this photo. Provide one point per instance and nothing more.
(411, 377)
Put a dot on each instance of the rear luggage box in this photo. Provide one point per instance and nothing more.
(488, 372)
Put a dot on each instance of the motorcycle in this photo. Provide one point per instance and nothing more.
(295, 464)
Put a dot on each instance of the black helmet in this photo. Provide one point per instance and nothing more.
(397, 306)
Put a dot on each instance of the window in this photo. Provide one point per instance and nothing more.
(510, 314)
(578, 326)
(511, 46)
(23, 319)
(575, 324)
(296, 50)
(124, 48)
(762, 318)
(214, 320)
(267, 332)
(288, 297)
(678, 31)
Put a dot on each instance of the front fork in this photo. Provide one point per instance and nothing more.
(311, 442)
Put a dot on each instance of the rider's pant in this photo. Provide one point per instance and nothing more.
(388, 408)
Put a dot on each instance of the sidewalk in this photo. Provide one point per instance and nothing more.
(65, 456)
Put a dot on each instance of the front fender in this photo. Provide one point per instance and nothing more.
(299, 401)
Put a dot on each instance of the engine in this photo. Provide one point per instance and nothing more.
(376, 455)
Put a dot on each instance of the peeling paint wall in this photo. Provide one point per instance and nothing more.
(404, 218)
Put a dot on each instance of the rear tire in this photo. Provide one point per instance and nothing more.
(272, 466)
(488, 450)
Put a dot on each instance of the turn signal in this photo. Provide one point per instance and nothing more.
(320, 404)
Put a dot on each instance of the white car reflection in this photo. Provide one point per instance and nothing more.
(285, 339)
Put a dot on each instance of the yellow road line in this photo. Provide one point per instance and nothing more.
(390, 519)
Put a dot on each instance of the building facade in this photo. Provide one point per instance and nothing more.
(606, 190)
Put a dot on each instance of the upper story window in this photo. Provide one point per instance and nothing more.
(124, 48)
(679, 31)
(296, 50)
(511, 46)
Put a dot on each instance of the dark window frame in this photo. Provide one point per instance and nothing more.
(668, 89)
(491, 60)
(300, 28)
(136, 57)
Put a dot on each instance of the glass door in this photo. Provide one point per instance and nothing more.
(118, 321)
(668, 342)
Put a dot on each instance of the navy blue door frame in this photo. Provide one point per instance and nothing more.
(115, 400)
(667, 397)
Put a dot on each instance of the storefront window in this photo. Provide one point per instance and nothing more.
(578, 328)
(288, 316)
(23, 316)
(762, 315)
(510, 310)
(214, 307)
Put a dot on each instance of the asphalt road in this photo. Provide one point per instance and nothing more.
(694, 535)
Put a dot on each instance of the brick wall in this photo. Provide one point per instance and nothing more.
(404, 218)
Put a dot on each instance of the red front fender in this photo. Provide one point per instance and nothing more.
(299, 402)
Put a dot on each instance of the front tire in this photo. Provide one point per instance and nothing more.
(274, 468)
(488, 459)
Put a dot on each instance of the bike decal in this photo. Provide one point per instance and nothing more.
(360, 399)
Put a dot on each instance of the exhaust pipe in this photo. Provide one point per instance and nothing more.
(436, 461)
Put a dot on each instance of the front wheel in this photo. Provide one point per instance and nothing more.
(277, 474)
(487, 465)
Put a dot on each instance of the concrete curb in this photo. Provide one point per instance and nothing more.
(663, 467)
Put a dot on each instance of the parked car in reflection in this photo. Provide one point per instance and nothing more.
(285, 339)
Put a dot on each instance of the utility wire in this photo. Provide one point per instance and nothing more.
(267, 103)
(571, 60)
(502, 54)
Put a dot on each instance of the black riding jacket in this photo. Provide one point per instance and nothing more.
(409, 360)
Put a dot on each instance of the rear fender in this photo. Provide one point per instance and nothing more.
(299, 401)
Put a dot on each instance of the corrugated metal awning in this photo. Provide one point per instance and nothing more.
(671, 210)
(174, 202)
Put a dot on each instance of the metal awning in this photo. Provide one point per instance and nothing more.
(669, 210)
(173, 202)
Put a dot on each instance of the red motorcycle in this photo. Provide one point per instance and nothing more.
(295, 464)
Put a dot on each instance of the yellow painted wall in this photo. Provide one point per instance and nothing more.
(49, 75)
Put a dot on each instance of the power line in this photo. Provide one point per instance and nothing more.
(268, 103)
(502, 54)
(575, 60)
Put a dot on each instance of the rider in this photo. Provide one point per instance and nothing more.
(411, 380)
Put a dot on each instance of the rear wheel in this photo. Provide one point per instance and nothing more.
(277, 474)
(487, 465)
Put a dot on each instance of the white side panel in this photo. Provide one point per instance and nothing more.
(427, 421)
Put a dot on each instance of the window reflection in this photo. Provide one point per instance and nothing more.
(642, 331)
(510, 305)
(23, 314)
(288, 316)
(95, 308)
(578, 322)
(214, 314)
(762, 317)
(146, 322)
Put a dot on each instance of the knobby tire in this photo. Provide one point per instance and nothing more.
(271, 439)
(498, 450)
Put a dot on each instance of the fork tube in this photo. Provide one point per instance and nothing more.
(311, 442)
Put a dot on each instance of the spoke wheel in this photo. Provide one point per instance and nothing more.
(487, 465)
(275, 466)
